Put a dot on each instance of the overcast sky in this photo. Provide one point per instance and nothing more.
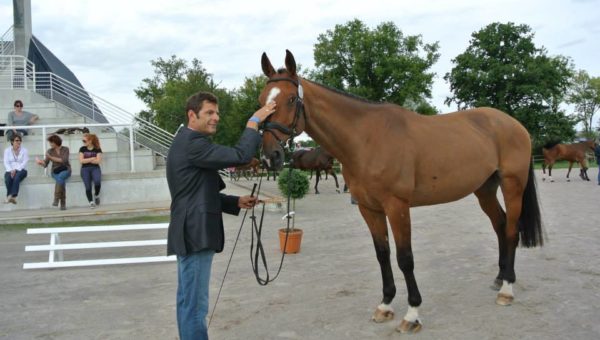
(109, 44)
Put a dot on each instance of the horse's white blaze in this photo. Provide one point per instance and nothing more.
(385, 308)
(412, 314)
(506, 288)
(272, 94)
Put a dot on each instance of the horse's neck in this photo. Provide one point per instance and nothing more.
(330, 118)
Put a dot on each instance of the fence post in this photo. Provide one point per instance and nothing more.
(54, 240)
(131, 145)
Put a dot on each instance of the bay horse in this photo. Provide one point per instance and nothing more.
(317, 159)
(251, 168)
(571, 153)
(394, 159)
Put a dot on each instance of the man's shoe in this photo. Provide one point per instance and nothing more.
(13, 200)
(97, 200)
(92, 205)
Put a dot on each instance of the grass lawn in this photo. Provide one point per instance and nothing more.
(564, 165)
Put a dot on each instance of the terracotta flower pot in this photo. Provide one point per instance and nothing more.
(293, 242)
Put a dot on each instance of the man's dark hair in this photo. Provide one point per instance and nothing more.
(55, 139)
(194, 102)
(18, 101)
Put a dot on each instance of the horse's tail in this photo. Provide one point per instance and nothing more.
(530, 221)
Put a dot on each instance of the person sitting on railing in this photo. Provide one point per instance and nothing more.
(90, 157)
(18, 117)
(15, 161)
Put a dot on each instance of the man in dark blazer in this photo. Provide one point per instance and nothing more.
(196, 226)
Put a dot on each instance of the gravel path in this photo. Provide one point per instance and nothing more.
(330, 289)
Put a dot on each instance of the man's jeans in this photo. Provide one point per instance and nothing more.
(193, 279)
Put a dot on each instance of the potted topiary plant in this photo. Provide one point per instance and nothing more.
(293, 184)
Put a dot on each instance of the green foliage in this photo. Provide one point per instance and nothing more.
(294, 183)
(503, 68)
(585, 95)
(166, 93)
(380, 64)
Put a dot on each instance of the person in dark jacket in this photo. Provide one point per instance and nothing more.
(597, 154)
(196, 226)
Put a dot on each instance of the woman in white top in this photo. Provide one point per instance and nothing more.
(15, 161)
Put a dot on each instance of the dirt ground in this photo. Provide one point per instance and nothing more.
(331, 288)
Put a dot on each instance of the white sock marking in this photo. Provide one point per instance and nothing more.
(384, 307)
(506, 288)
(412, 314)
(272, 94)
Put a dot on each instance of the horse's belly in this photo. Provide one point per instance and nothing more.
(444, 190)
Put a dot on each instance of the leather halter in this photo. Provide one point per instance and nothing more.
(269, 126)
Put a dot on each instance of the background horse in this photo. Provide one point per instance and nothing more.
(394, 159)
(569, 152)
(317, 159)
(248, 170)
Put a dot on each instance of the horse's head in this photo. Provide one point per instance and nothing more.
(283, 87)
(591, 143)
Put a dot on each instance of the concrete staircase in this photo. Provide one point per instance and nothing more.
(119, 183)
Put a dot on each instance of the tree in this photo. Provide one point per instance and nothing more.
(585, 95)
(503, 68)
(174, 81)
(166, 93)
(245, 103)
(380, 64)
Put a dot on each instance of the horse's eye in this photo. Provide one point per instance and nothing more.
(292, 100)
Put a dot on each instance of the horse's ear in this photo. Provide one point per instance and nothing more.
(267, 68)
(290, 63)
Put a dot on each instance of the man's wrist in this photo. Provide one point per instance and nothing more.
(254, 119)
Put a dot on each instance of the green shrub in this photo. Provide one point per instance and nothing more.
(298, 183)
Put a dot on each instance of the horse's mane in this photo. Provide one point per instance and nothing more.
(551, 144)
(345, 94)
(333, 89)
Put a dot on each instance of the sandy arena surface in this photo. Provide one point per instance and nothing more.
(331, 288)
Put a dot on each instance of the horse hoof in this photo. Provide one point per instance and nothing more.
(382, 315)
(504, 299)
(568, 180)
(409, 327)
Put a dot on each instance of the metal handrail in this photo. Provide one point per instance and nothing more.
(16, 72)
(86, 104)
(7, 43)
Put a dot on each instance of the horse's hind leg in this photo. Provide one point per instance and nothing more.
(317, 182)
(378, 228)
(337, 185)
(512, 189)
(488, 201)
(568, 172)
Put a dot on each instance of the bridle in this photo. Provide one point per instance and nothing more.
(269, 126)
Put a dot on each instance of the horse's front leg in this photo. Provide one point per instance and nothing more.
(398, 213)
(378, 227)
(317, 182)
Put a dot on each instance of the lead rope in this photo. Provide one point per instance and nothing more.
(257, 228)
